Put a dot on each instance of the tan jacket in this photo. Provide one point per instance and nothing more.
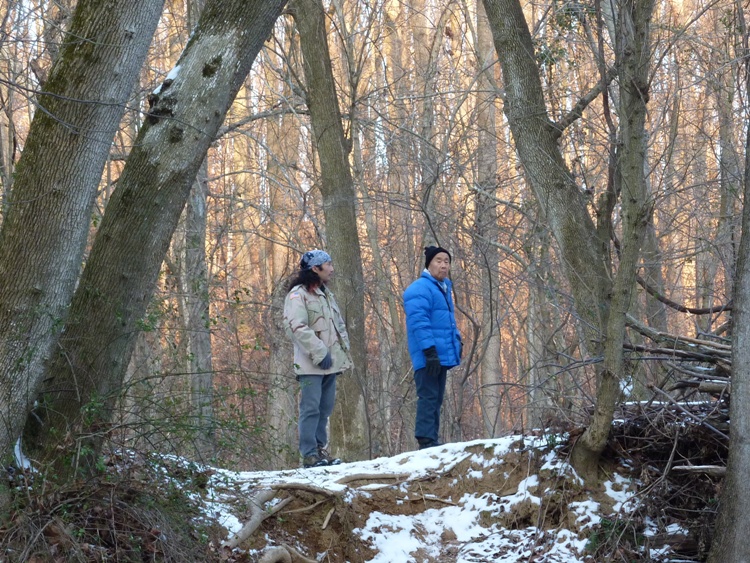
(314, 323)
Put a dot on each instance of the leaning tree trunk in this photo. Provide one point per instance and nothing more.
(44, 233)
(562, 202)
(536, 137)
(560, 199)
(349, 431)
(123, 267)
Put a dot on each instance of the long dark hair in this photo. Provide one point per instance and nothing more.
(308, 278)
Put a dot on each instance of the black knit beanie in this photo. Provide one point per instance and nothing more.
(431, 251)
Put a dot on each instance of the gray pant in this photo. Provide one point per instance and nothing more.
(317, 395)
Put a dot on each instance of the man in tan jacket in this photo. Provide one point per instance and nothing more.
(313, 321)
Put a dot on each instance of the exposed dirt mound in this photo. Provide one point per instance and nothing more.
(528, 487)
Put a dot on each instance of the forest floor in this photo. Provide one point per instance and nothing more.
(508, 499)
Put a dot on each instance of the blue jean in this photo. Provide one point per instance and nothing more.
(430, 393)
(317, 395)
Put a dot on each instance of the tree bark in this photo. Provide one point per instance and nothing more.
(561, 201)
(196, 317)
(337, 187)
(45, 230)
(730, 543)
(283, 139)
(123, 267)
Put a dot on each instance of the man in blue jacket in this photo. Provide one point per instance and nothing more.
(434, 340)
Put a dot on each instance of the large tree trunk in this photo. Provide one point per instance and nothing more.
(45, 230)
(560, 199)
(123, 267)
(349, 431)
(730, 543)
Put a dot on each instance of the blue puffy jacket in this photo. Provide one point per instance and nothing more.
(430, 321)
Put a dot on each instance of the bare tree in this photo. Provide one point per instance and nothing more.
(601, 304)
(487, 227)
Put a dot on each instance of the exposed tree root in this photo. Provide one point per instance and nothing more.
(258, 514)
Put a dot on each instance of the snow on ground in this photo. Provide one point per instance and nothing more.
(468, 522)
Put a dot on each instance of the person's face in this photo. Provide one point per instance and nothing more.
(324, 271)
(439, 266)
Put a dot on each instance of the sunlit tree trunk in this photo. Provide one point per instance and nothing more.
(283, 138)
(124, 263)
(398, 175)
(384, 352)
(194, 294)
(718, 255)
(426, 39)
(487, 229)
(44, 233)
(348, 426)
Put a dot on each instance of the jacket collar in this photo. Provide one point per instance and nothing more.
(445, 284)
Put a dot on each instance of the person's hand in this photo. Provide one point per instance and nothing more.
(433, 362)
(326, 362)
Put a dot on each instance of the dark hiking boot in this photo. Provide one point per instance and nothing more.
(426, 443)
(314, 461)
(323, 454)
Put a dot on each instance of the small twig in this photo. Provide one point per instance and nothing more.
(328, 517)
(712, 470)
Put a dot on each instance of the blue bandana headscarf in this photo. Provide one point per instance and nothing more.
(314, 258)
